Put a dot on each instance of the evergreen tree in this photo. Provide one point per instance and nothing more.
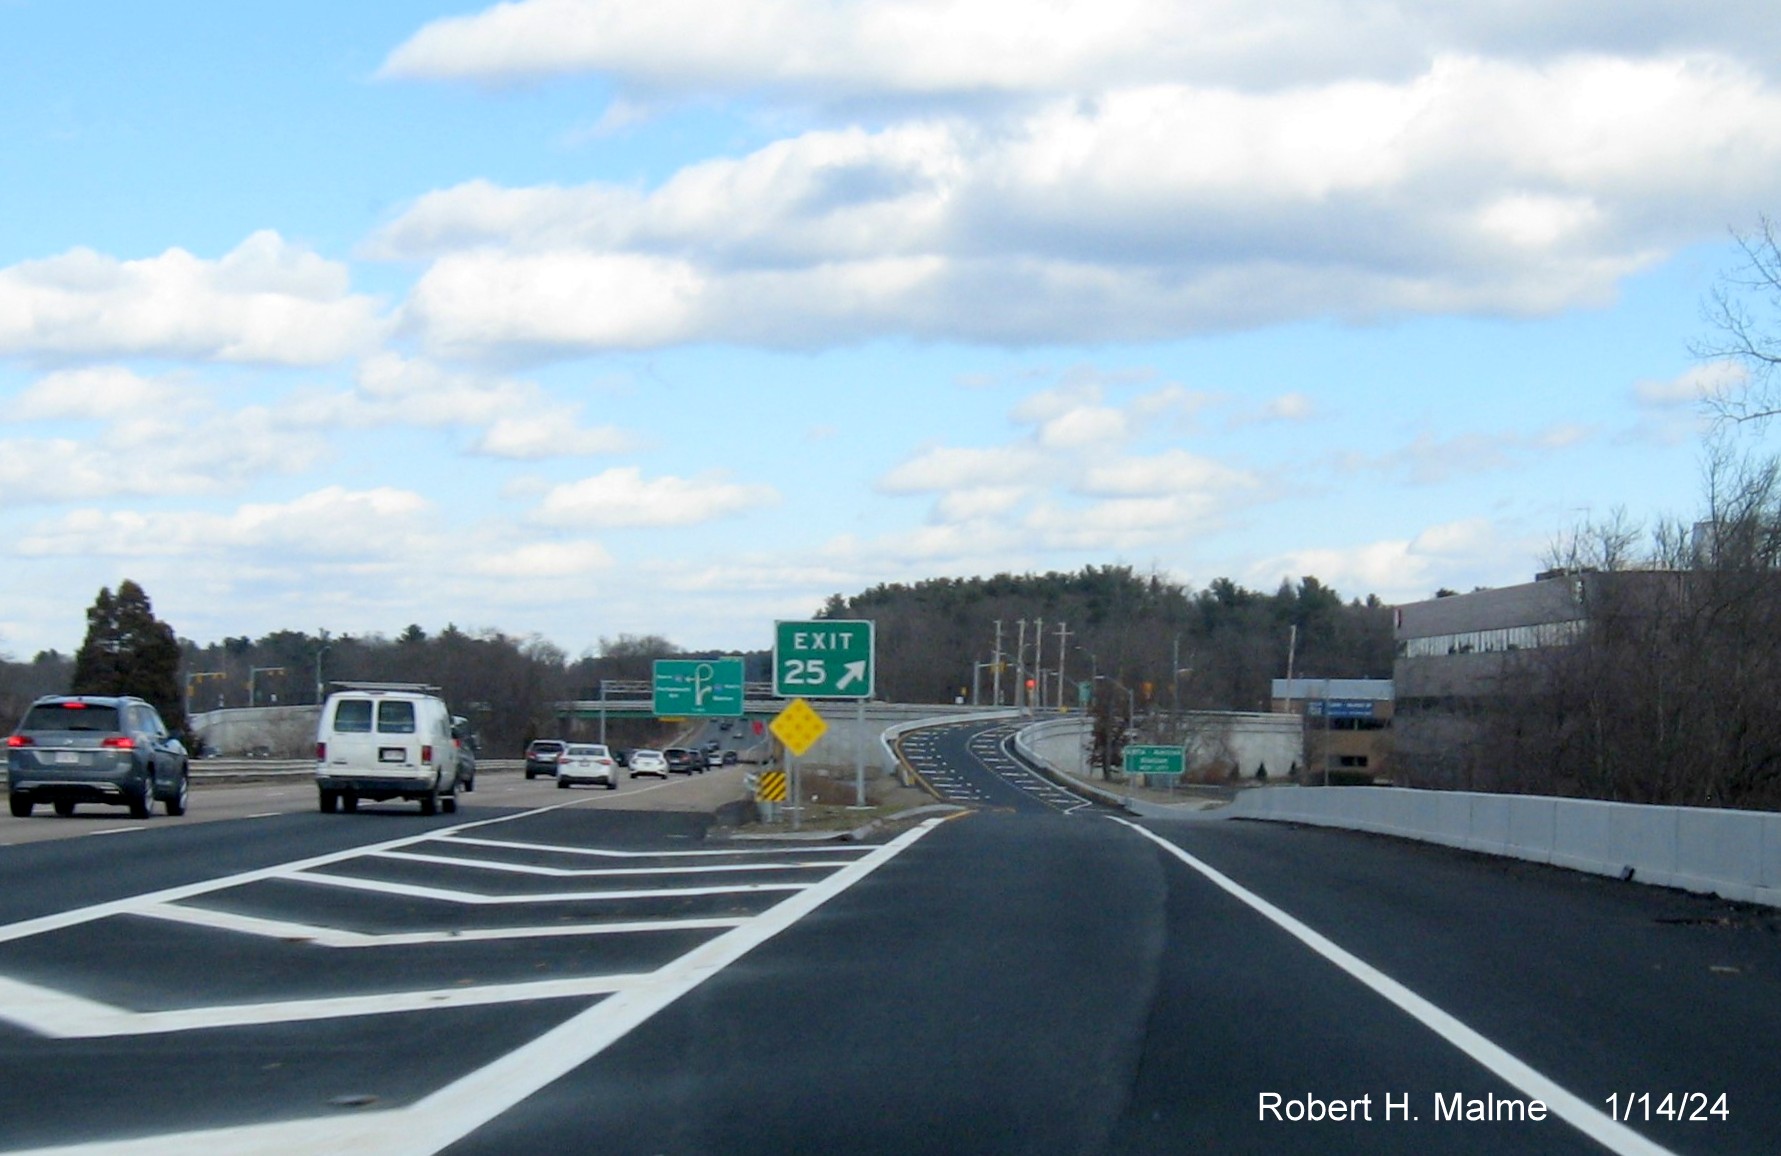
(129, 651)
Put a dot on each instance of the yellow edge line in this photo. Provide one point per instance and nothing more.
(915, 774)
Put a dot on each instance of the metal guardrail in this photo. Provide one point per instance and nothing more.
(202, 769)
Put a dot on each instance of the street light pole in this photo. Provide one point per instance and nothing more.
(319, 685)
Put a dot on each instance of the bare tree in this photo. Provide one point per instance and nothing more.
(1744, 309)
(1610, 544)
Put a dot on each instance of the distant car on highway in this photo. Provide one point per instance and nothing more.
(542, 756)
(463, 736)
(587, 763)
(731, 758)
(683, 761)
(648, 762)
(714, 758)
(72, 749)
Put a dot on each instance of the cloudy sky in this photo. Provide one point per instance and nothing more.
(583, 317)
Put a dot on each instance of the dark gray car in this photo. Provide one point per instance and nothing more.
(542, 756)
(73, 749)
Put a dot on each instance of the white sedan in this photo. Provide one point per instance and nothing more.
(649, 763)
(587, 763)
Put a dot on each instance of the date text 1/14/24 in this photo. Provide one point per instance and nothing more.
(1687, 1107)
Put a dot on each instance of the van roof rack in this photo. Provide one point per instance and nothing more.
(411, 687)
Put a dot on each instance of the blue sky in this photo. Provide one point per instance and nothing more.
(586, 317)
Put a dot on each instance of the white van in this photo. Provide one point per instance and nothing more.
(385, 740)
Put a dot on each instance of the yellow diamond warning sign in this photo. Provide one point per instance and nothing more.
(798, 726)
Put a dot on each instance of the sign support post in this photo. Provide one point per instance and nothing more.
(859, 754)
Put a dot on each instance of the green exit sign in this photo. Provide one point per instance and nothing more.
(826, 658)
(1143, 760)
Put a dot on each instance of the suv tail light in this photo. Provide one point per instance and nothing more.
(19, 741)
(321, 752)
(427, 753)
(119, 742)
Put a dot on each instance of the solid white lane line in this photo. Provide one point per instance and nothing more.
(307, 934)
(442, 1118)
(1573, 1109)
(604, 853)
(593, 872)
(57, 1015)
(415, 891)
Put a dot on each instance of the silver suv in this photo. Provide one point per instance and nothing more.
(542, 756)
(73, 749)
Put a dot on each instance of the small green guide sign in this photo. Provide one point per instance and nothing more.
(690, 688)
(1143, 760)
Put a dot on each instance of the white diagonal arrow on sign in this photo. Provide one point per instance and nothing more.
(856, 672)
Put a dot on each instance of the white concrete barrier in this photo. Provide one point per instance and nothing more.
(1733, 854)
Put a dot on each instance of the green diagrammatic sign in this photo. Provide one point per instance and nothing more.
(693, 688)
(1142, 760)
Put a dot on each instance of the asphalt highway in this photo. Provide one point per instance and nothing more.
(539, 974)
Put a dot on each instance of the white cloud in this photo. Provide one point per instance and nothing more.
(938, 47)
(332, 523)
(1121, 523)
(1288, 407)
(266, 301)
(979, 502)
(1431, 460)
(544, 560)
(1141, 211)
(1084, 428)
(99, 393)
(1467, 539)
(549, 434)
(942, 468)
(1457, 554)
(623, 497)
(518, 420)
(1173, 472)
(158, 437)
(1389, 567)
(1692, 386)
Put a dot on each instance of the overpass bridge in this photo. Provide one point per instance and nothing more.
(635, 698)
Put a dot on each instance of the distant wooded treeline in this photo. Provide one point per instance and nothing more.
(1225, 641)
(932, 637)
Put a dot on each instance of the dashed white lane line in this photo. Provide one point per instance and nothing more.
(1571, 1108)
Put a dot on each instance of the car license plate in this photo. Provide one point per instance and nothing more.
(68, 757)
(392, 754)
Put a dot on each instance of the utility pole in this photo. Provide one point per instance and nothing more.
(1038, 665)
(1063, 638)
(1175, 682)
(1020, 668)
(996, 658)
(320, 687)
